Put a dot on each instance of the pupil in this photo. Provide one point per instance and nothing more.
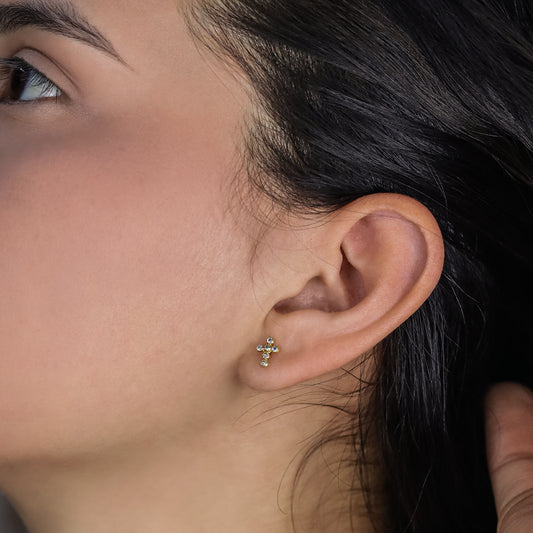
(18, 83)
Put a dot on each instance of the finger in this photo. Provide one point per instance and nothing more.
(509, 430)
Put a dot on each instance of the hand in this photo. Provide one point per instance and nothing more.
(509, 430)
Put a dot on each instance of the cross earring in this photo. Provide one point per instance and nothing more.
(267, 350)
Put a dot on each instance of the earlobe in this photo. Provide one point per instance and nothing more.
(385, 257)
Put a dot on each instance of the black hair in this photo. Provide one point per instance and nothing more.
(432, 99)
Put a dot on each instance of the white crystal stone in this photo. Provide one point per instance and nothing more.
(270, 340)
(264, 363)
(266, 356)
(275, 349)
(267, 349)
(260, 348)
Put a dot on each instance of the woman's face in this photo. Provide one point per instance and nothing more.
(122, 263)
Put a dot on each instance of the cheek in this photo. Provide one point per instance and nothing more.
(111, 260)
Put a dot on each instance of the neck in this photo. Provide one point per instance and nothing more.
(235, 477)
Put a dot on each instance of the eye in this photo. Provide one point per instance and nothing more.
(20, 82)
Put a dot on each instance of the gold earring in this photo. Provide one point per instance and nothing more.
(268, 349)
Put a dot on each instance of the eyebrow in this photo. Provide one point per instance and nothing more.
(58, 17)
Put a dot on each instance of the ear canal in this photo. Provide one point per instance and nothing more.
(338, 295)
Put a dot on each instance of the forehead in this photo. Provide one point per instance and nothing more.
(141, 30)
(138, 29)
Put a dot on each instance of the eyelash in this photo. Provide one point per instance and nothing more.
(33, 76)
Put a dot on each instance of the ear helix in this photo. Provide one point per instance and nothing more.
(267, 350)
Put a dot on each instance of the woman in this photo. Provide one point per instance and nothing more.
(261, 262)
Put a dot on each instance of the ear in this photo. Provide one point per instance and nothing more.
(378, 259)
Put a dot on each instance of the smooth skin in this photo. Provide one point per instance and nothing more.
(138, 273)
